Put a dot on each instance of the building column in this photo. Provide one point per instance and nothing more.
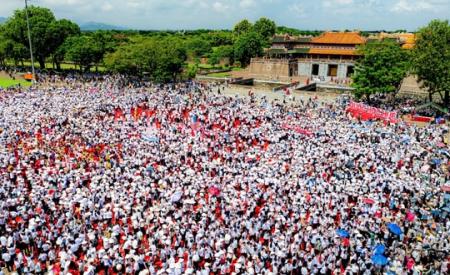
(342, 71)
(323, 69)
(304, 69)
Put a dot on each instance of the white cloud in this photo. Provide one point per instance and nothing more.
(418, 5)
(107, 7)
(220, 7)
(298, 10)
(336, 3)
(245, 4)
(63, 2)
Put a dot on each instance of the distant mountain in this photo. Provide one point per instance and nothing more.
(95, 26)
(2, 19)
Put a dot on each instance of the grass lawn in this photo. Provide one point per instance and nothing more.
(64, 66)
(6, 82)
(224, 74)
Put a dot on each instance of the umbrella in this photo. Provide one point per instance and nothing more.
(436, 161)
(214, 191)
(150, 139)
(342, 233)
(379, 249)
(406, 139)
(395, 229)
(176, 197)
(435, 212)
(369, 201)
(378, 259)
(440, 145)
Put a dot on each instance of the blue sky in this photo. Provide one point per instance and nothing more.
(216, 14)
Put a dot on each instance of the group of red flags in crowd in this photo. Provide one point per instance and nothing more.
(297, 129)
(365, 112)
(136, 112)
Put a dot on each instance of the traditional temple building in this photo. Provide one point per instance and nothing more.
(329, 57)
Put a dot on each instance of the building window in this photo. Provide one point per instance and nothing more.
(315, 69)
(332, 70)
(350, 71)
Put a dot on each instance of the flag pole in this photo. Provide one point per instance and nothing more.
(29, 41)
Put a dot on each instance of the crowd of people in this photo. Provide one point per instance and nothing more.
(103, 176)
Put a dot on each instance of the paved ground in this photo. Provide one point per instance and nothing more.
(270, 95)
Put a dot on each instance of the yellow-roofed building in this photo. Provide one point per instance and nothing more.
(329, 57)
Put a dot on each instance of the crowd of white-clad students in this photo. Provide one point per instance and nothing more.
(108, 177)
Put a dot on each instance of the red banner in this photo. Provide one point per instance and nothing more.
(297, 129)
(421, 119)
(365, 112)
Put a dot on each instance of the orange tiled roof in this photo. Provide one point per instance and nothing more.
(409, 40)
(339, 38)
(408, 46)
(332, 51)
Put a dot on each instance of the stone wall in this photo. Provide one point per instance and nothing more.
(290, 70)
(269, 68)
(411, 86)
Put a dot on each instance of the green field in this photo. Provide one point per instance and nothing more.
(224, 74)
(6, 82)
(64, 66)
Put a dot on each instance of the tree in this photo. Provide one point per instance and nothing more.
(247, 46)
(12, 50)
(105, 43)
(162, 59)
(198, 47)
(219, 38)
(431, 59)
(47, 34)
(242, 27)
(220, 53)
(59, 31)
(381, 69)
(83, 51)
(265, 27)
(128, 58)
(171, 56)
(287, 30)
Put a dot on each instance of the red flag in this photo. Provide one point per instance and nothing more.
(157, 124)
(266, 145)
(138, 112)
(118, 114)
(236, 123)
(186, 114)
(149, 113)
(39, 136)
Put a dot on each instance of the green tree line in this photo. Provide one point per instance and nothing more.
(162, 55)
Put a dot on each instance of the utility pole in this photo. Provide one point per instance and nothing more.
(29, 41)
